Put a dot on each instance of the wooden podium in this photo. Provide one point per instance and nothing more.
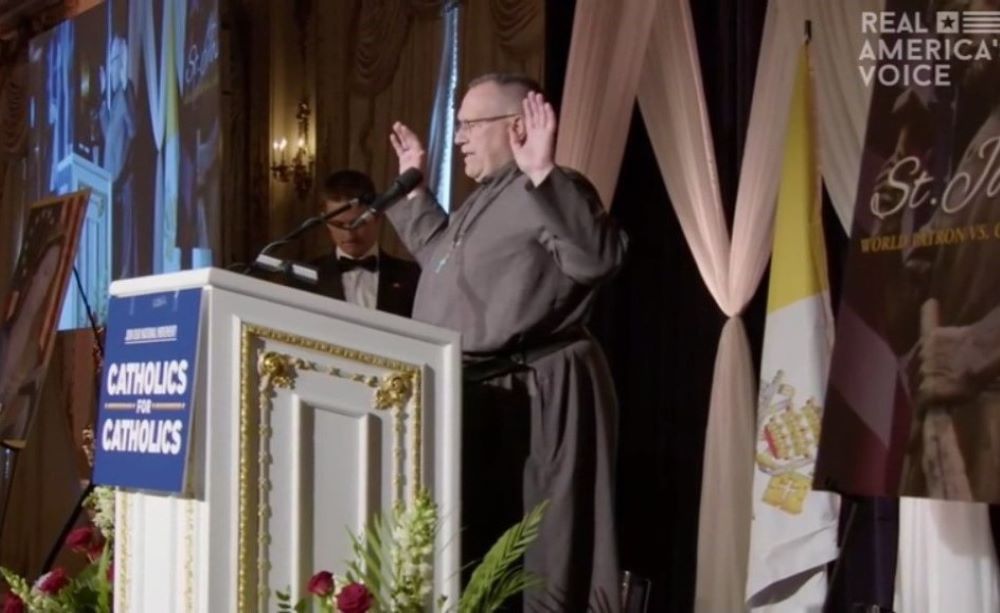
(310, 414)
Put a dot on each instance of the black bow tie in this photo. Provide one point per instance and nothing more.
(369, 263)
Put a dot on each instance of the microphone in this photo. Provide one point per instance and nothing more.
(403, 185)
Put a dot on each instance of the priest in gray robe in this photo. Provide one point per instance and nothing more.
(515, 270)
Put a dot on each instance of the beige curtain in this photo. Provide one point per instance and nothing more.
(501, 36)
(605, 62)
(375, 71)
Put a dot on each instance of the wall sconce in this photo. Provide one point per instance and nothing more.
(299, 169)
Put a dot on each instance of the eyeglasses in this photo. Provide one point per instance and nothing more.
(466, 125)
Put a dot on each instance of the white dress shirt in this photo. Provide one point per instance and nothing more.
(360, 285)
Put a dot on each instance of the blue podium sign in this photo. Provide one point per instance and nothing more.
(147, 388)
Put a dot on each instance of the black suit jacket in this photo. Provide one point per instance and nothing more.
(397, 282)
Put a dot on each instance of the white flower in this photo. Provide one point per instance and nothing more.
(413, 544)
(101, 502)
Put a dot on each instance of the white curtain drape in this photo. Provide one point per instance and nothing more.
(946, 558)
(842, 99)
(677, 121)
(605, 62)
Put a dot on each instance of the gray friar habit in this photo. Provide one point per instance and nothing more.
(515, 270)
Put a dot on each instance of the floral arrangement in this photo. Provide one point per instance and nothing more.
(90, 590)
(391, 570)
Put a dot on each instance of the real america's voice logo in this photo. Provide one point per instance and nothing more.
(925, 49)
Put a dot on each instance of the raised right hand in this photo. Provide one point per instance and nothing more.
(409, 149)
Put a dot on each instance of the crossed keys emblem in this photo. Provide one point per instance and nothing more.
(787, 440)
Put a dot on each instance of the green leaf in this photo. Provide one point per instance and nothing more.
(372, 565)
(498, 576)
(103, 585)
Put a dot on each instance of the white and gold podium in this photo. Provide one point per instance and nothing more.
(310, 415)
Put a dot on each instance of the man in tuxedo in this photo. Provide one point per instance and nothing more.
(357, 270)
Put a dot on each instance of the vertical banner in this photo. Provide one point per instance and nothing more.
(913, 405)
(147, 390)
(794, 529)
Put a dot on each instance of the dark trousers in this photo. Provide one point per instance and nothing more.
(495, 443)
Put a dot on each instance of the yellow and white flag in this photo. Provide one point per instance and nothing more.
(794, 529)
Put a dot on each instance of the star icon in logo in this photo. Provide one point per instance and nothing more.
(947, 22)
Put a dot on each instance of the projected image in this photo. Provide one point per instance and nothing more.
(124, 101)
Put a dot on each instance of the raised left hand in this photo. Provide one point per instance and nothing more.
(535, 152)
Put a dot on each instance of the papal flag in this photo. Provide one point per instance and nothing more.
(794, 529)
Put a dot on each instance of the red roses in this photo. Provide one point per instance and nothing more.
(353, 597)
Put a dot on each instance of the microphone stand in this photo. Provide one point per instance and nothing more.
(267, 262)
(74, 515)
(305, 227)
